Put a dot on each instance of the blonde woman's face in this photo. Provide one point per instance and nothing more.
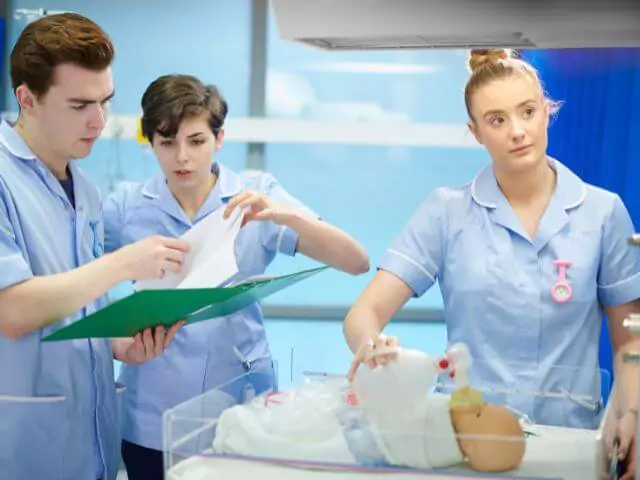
(511, 117)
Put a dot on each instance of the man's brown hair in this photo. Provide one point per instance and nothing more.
(55, 40)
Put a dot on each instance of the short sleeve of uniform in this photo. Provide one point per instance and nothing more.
(278, 238)
(619, 273)
(416, 254)
(112, 213)
(14, 268)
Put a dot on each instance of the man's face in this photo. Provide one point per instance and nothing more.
(72, 114)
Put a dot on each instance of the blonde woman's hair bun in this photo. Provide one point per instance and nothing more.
(479, 58)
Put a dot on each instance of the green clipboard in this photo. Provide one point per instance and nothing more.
(151, 308)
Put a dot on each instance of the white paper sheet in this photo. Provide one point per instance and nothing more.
(211, 260)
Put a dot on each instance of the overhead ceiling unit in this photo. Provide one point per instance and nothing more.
(418, 24)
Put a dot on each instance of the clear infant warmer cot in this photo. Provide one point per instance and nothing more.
(551, 452)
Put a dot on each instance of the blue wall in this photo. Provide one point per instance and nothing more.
(205, 38)
(199, 44)
(370, 191)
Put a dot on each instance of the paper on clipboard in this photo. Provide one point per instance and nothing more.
(211, 260)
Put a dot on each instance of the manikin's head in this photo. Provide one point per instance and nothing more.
(61, 76)
(490, 437)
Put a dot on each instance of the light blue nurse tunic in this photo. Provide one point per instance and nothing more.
(58, 411)
(202, 355)
(496, 286)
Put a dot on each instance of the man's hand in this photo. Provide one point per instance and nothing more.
(152, 257)
(144, 346)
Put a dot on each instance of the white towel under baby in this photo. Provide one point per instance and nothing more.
(303, 427)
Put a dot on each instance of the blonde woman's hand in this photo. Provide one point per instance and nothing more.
(375, 351)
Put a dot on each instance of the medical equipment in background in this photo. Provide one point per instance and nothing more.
(401, 24)
(31, 14)
(140, 138)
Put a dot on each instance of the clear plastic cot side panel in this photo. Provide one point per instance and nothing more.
(319, 423)
(189, 428)
(554, 396)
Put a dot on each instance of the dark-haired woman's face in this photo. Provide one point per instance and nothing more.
(186, 159)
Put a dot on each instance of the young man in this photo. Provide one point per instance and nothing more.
(58, 405)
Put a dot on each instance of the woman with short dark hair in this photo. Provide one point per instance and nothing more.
(183, 121)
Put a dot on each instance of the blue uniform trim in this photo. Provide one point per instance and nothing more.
(408, 270)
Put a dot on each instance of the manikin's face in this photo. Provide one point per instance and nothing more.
(186, 159)
(490, 436)
(72, 114)
(511, 118)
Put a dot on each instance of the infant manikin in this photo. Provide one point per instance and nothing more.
(386, 417)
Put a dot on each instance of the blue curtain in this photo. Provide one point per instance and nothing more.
(597, 131)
